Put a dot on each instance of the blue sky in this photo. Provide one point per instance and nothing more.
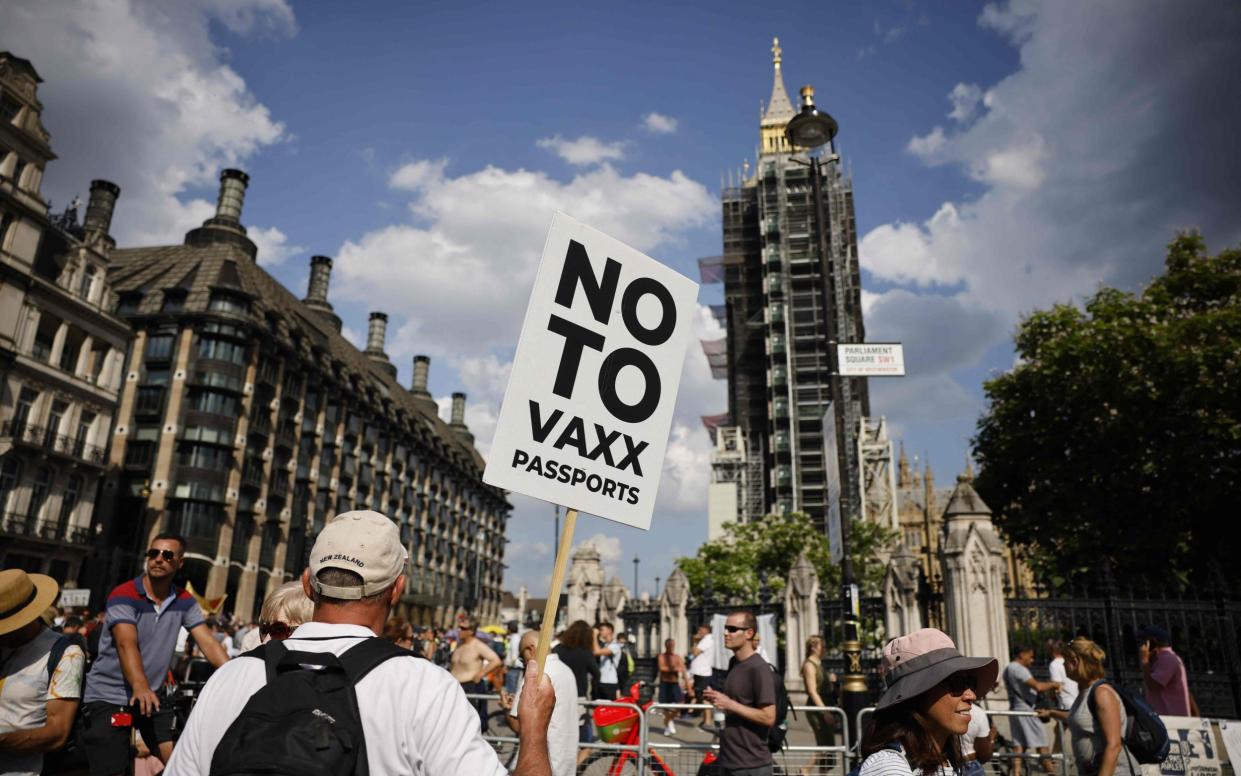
(1004, 157)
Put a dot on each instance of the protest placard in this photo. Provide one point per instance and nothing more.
(586, 414)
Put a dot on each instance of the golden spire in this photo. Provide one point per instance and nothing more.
(779, 108)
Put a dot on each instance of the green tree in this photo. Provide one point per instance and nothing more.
(1117, 436)
(736, 561)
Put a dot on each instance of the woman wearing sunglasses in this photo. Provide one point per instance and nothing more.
(916, 724)
(1097, 724)
(283, 610)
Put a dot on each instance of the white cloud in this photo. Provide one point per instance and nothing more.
(583, 151)
(609, 547)
(461, 276)
(659, 123)
(928, 145)
(418, 175)
(138, 93)
(273, 245)
(965, 99)
(1091, 154)
(1086, 160)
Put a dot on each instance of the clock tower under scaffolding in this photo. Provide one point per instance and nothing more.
(780, 331)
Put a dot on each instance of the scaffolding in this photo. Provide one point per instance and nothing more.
(878, 474)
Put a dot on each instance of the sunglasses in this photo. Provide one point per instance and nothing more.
(958, 683)
(275, 630)
(169, 555)
(734, 629)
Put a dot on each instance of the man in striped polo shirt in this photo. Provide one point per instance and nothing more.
(143, 617)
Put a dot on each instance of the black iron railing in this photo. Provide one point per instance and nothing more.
(30, 527)
(1204, 622)
(47, 439)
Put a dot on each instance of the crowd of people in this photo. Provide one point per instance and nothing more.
(90, 694)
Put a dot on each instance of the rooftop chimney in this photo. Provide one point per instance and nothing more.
(375, 335)
(232, 195)
(225, 226)
(458, 417)
(316, 293)
(98, 220)
(418, 386)
(376, 332)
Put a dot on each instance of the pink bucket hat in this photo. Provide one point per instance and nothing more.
(915, 663)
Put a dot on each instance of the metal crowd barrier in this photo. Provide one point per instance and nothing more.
(1032, 760)
(506, 746)
(681, 757)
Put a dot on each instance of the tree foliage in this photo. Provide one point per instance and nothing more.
(736, 562)
(1117, 436)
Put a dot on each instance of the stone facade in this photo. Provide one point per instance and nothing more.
(247, 421)
(61, 349)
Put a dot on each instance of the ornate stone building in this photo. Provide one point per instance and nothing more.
(61, 350)
(922, 509)
(247, 421)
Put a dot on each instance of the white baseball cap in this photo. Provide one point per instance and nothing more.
(364, 542)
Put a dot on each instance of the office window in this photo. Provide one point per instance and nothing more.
(88, 281)
(159, 347)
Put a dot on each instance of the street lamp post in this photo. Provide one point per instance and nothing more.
(635, 576)
(811, 129)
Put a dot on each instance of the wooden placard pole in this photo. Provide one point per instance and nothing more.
(553, 595)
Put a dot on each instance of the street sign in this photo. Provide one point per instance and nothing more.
(74, 596)
(831, 463)
(871, 359)
(588, 408)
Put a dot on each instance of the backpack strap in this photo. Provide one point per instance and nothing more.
(61, 644)
(360, 659)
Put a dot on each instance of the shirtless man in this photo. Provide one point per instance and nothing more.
(673, 682)
(472, 662)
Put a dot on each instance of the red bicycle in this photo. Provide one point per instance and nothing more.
(621, 725)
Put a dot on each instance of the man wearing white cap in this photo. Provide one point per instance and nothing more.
(414, 716)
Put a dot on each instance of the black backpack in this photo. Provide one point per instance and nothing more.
(779, 731)
(305, 721)
(1145, 735)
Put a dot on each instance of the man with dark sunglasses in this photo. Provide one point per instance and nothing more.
(142, 619)
(748, 701)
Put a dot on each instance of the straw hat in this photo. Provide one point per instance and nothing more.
(23, 598)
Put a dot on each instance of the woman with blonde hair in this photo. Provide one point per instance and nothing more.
(284, 609)
(1098, 726)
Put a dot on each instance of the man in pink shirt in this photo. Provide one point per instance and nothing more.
(1167, 687)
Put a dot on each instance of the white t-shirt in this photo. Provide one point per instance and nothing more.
(414, 713)
(510, 650)
(889, 762)
(608, 664)
(563, 729)
(701, 663)
(25, 691)
(1068, 687)
(980, 727)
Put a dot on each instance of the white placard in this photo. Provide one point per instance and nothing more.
(74, 596)
(871, 359)
(588, 408)
(1193, 751)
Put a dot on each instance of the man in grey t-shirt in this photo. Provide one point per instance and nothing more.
(1023, 689)
(748, 702)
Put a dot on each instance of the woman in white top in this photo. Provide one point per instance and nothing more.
(1098, 732)
(918, 721)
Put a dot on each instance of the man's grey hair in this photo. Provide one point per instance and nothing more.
(334, 577)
